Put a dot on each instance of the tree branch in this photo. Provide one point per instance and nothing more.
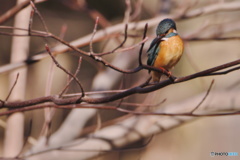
(126, 93)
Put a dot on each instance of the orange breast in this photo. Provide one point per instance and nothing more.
(170, 52)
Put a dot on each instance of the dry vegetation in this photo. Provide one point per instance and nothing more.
(75, 85)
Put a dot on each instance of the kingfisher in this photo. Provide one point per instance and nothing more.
(166, 49)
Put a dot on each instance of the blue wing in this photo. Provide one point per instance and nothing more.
(153, 51)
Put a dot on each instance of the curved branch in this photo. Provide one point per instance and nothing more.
(138, 127)
(105, 33)
(138, 89)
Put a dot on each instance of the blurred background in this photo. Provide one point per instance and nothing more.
(193, 140)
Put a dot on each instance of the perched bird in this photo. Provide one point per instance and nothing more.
(166, 49)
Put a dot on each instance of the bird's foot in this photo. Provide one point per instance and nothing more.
(170, 76)
(153, 83)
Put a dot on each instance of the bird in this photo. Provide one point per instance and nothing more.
(166, 49)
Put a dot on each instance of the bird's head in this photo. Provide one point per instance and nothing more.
(165, 27)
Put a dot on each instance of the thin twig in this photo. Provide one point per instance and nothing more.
(212, 71)
(140, 104)
(131, 47)
(179, 114)
(40, 16)
(213, 38)
(119, 46)
(75, 74)
(93, 34)
(35, 107)
(14, 84)
(124, 40)
(204, 98)
(30, 22)
(48, 35)
(141, 49)
(117, 96)
(94, 93)
(63, 69)
(101, 34)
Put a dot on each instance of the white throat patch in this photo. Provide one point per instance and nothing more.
(164, 39)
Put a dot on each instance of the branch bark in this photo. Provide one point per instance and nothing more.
(105, 33)
(138, 127)
(134, 90)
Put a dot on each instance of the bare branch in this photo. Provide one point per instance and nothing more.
(15, 82)
(208, 91)
(75, 74)
(141, 49)
(94, 32)
(138, 86)
(101, 34)
(124, 40)
(180, 114)
(67, 72)
(126, 93)
(135, 126)
(40, 16)
(30, 22)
